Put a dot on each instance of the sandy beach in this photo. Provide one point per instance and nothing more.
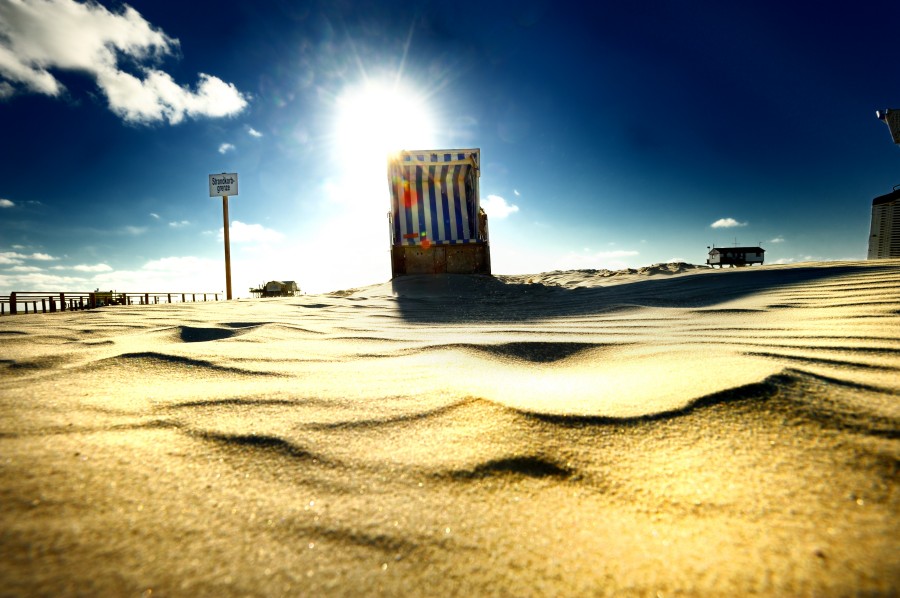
(666, 431)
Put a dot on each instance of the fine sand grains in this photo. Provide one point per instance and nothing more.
(664, 431)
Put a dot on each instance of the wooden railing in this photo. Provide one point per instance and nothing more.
(45, 302)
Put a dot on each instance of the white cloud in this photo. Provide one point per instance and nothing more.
(5, 203)
(225, 147)
(250, 233)
(180, 224)
(37, 36)
(516, 192)
(13, 257)
(41, 281)
(727, 223)
(154, 216)
(25, 269)
(94, 268)
(778, 239)
(496, 207)
(175, 274)
(254, 133)
(135, 230)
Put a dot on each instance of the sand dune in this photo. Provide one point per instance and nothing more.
(660, 431)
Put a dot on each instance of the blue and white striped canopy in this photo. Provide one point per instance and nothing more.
(434, 197)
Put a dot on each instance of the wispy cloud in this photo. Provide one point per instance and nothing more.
(516, 192)
(37, 37)
(254, 133)
(6, 203)
(25, 269)
(179, 224)
(727, 223)
(497, 207)
(41, 281)
(154, 216)
(172, 273)
(778, 239)
(250, 233)
(94, 268)
(15, 258)
(11, 257)
(225, 147)
(135, 230)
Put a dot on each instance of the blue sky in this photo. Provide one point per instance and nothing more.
(612, 134)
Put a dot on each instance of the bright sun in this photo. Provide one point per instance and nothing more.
(374, 120)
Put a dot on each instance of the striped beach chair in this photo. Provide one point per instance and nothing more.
(436, 221)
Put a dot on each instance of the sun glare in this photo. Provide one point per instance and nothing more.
(375, 120)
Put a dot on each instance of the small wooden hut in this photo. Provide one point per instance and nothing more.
(276, 288)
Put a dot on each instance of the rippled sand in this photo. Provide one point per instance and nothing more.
(669, 430)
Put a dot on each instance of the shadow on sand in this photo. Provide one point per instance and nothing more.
(459, 298)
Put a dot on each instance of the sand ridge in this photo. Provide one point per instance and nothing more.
(669, 430)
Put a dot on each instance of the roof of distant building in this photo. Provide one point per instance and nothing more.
(737, 249)
(887, 198)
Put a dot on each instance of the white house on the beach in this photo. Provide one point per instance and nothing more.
(735, 256)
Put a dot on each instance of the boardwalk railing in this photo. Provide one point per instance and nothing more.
(44, 302)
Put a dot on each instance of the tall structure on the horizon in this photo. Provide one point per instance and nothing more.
(884, 236)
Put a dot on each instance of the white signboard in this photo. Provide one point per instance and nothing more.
(223, 184)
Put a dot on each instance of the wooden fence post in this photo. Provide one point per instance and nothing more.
(62, 301)
(13, 309)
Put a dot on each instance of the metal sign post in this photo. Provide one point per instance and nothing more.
(225, 227)
(225, 184)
